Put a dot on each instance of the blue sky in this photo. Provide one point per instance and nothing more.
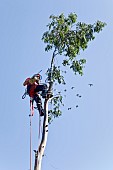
(82, 139)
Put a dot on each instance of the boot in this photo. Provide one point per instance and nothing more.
(44, 94)
(40, 109)
(41, 112)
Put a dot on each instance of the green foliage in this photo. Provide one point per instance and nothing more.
(56, 75)
(67, 37)
(77, 66)
(55, 111)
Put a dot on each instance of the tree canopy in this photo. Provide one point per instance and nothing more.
(67, 38)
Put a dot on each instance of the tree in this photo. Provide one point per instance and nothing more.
(66, 38)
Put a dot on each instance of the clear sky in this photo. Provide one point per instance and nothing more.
(82, 139)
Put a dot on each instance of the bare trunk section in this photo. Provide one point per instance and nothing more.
(39, 154)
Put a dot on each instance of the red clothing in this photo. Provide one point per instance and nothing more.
(31, 86)
(32, 90)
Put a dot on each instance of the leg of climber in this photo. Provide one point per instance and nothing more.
(42, 88)
(39, 104)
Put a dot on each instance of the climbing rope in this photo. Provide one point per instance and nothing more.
(31, 114)
(31, 107)
(30, 143)
(39, 130)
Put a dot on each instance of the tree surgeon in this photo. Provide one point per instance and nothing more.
(35, 90)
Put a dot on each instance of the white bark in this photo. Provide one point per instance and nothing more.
(40, 152)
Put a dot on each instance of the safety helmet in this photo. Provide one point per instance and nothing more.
(37, 77)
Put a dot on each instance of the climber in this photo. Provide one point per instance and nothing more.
(34, 88)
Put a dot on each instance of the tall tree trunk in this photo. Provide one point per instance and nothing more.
(40, 152)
